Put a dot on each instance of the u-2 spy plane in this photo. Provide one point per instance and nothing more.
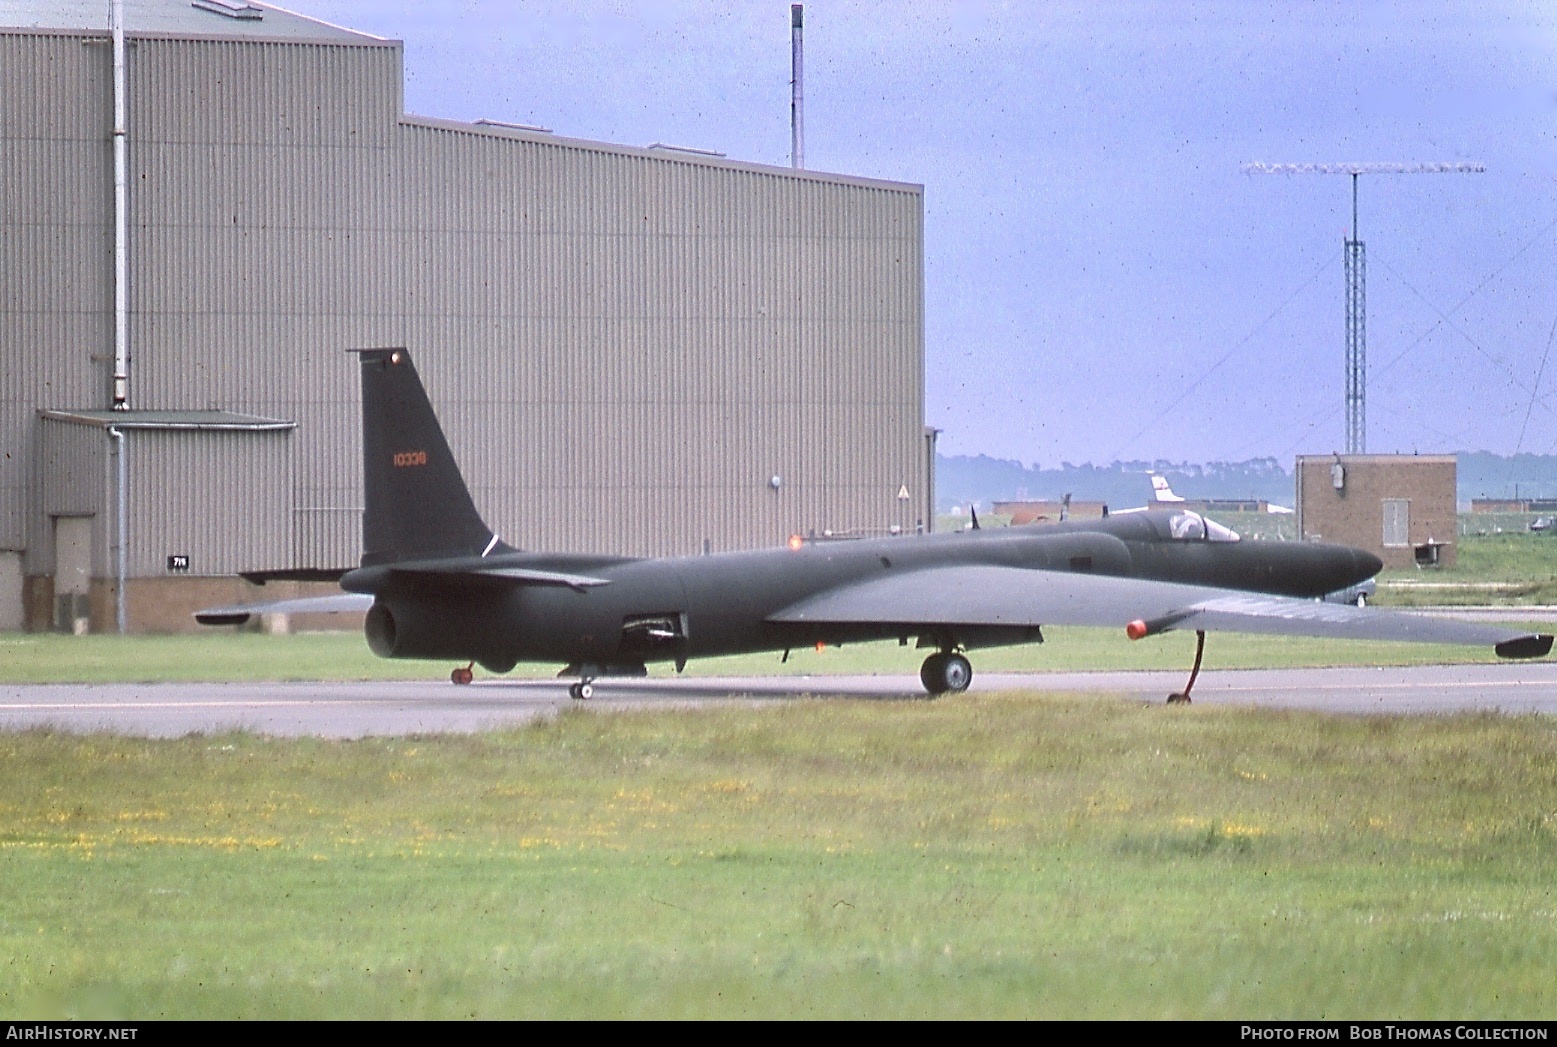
(438, 583)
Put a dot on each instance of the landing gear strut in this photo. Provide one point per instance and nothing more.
(582, 691)
(946, 672)
(462, 675)
(1182, 697)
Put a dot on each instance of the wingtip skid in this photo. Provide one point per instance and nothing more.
(1537, 645)
(223, 616)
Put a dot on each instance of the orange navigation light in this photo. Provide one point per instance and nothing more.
(1136, 629)
(795, 541)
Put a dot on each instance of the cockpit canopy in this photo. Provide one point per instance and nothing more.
(1185, 526)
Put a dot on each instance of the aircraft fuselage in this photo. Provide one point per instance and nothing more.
(673, 609)
(441, 584)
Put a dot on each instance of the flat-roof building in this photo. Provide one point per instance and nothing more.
(1399, 507)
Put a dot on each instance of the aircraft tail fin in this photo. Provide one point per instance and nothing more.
(1161, 492)
(416, 503)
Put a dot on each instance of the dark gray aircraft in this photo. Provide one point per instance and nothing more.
(438, 583)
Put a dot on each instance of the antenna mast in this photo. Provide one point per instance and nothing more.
(797, 119)
(1357, 280)
(1356, 336)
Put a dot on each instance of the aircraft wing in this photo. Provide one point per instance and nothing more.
(986, 595)
(240, 613)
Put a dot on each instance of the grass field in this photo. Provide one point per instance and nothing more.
(988, 855)
(226, 655)
(1512, 567)
(997, 855)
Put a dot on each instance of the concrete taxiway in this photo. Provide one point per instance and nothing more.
(350, 710)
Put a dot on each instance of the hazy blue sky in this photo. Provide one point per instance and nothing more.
(1101, 279)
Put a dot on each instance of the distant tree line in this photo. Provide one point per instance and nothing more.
(961, 479)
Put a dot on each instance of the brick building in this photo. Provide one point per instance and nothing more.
(1399, 507)
(1026, 512)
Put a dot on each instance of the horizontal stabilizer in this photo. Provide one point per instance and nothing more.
(239, 613)
(295, 574)
(982, 595)
(514, 575)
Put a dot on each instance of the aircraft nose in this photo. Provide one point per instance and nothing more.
(1367, 564)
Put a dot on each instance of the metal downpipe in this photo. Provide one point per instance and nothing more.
(121, 525)
(121, 384)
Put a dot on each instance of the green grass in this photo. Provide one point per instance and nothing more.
(1000, 855)
(1509, 557)
(1264, 526)
(1398, 589)
(242, 656)
(1511, 568)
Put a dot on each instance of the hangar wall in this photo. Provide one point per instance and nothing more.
(625, 345)
(655, 338)
(56, 251)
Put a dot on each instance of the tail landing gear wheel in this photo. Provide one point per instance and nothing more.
(947, 672)
(462, 675)
(581, 692)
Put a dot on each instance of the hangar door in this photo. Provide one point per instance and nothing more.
(1397, 522)
(72, 573)
(208, 503)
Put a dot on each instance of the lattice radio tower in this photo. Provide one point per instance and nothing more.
(1357, 281)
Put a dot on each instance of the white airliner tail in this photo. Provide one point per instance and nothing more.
(1161, 492)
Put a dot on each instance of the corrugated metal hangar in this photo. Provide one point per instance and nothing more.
(642, 351)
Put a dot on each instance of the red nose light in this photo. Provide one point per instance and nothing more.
(1136, 629)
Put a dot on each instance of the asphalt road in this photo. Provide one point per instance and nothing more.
(350, 710)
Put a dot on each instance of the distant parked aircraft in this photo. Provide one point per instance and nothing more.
(1161, 492)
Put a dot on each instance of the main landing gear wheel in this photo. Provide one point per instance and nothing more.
(947, 672)
(1182, 697)
(462, 675)
(582, 691)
